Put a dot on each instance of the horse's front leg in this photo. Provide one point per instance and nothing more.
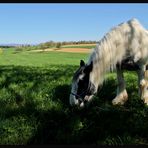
(143, 83)
(122, 95)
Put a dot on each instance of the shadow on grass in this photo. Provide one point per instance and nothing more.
(99, 123)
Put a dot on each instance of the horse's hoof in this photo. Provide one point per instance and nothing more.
(146, 101)
(120, 98)
(117, 102)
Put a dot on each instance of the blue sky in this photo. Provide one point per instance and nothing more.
(41, 22)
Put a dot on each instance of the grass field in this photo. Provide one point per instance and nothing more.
(34, 100)
(41, 59)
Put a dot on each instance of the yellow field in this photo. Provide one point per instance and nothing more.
(80, 45)
(69, 48)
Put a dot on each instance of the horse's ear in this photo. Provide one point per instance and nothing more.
(82, 63)
(89, 68)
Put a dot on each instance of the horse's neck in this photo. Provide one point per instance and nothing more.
(101, 65)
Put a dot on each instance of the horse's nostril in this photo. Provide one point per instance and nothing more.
(85, 101)
(80, 100)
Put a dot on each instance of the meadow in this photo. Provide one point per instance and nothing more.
(34, 100)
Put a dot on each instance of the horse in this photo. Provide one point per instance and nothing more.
(125, 45)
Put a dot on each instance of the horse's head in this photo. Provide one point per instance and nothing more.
(82, 89)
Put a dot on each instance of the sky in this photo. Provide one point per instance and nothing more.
(41, 22)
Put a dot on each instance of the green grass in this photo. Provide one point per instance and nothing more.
(34, 100)
(11, 57)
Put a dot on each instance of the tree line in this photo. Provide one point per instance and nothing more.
(48, 44)
(58, 44)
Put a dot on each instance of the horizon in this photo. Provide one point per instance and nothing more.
(19, 44)
(40, 23)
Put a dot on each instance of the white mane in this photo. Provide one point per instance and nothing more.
(129, 39)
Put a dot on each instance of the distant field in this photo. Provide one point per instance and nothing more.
(80, 45)
(87, 46)
(71, 50)
(80, 48)
(34, 104)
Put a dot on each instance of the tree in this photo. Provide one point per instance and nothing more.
(58, 45)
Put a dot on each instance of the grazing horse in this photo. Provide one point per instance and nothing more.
(124, 46)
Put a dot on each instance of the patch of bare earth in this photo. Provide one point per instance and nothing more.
(75, 50)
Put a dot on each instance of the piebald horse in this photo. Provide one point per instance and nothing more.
(125, 45)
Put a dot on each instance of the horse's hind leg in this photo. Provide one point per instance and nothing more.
(143, 83)
(122, 95)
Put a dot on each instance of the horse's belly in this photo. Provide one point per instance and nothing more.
(128, 64)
